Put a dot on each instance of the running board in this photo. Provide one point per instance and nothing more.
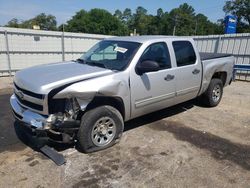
(53, 155)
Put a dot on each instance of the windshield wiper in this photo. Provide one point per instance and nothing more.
(96, 64)
(93, 63)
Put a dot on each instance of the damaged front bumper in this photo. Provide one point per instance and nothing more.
(41, 126)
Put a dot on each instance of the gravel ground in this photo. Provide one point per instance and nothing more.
(6, 82)
(184, 146)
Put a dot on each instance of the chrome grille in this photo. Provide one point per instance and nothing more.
(32, 94)
(30, 100)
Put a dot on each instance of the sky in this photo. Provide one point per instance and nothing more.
(65, 9)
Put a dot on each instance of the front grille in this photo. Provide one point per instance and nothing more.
(29, 99)
(30, 104)
(32, 94)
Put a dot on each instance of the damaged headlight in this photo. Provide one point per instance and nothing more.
(68, 112)
(71, 108)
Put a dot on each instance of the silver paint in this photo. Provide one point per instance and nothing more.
(140, 94)
(43, 78)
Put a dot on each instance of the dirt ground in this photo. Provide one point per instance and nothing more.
(184, 146)
(6, 82)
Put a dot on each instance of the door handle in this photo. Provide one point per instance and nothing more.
(169, 77)
(196, 71)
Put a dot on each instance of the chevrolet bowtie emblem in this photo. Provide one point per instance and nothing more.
(20, 94)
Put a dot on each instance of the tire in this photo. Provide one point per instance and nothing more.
(213, 95)
(100, 128)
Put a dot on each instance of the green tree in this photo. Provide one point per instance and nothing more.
(127, 15)
(79, 22)
(127, 19)
(118, 14)
(97, 21)
(183, 20)
(160, 13)
(204, 27)
(153, 25)
(13, 23)
(165, 25)
(241, 9)
(140, 21)
(46, 22)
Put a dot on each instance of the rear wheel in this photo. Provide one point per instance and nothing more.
(213, 95)
(100, 128)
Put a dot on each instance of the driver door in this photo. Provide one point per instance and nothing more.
(153, 91)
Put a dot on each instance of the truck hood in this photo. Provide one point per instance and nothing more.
(42, 79)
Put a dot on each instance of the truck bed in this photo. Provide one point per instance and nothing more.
(212, 63)
(207, 56)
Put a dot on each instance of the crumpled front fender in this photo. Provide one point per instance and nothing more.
(85, 91)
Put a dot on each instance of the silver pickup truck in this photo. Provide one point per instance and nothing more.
(88, 100)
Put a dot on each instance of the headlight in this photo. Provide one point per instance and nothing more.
(62, 110)
(72, 107)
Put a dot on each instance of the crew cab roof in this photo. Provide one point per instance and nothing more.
(144, 38)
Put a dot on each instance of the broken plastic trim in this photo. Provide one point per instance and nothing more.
(53, 155)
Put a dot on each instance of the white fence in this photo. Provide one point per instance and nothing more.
(235, 44)
(21, 48)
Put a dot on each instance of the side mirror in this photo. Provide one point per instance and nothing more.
(147, 66)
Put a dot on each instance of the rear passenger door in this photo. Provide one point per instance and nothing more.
(188, 71)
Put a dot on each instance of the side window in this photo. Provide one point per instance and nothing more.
(159, 53)
(184, 53)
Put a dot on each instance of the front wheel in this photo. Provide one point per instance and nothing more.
(100, 128)
(213, 95)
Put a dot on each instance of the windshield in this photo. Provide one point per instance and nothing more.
(114, 55)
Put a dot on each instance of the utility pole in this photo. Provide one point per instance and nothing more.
(175, 22)
(196, 26)
(134, 32)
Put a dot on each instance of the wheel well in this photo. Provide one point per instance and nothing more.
(222, 76)
(115, 102)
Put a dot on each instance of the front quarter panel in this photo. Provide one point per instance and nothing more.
(115, 85)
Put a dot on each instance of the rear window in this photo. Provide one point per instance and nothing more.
(184, 53)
